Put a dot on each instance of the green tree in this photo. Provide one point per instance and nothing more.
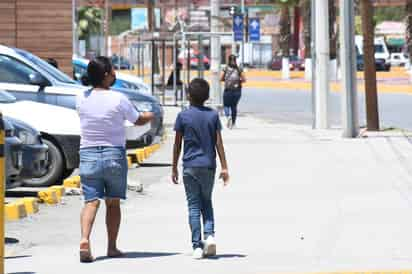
(90, 23)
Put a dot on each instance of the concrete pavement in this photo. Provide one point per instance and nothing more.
(299, 201)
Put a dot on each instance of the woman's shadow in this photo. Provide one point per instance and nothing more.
(143, 255)
(138, 255)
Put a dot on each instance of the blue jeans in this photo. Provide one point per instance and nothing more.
(199, 184)
(103, 173)
(231, 99)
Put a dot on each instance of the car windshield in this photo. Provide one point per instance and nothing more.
(55, 73)
(379, 49)
(6, 97)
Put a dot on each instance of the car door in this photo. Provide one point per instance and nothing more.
(15, 77)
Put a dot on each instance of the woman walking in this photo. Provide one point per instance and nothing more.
(233, 77)
(103, 162)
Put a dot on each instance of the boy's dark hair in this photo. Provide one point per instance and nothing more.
(199, 91)
(97, 69)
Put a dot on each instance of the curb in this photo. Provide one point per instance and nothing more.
(138, 156)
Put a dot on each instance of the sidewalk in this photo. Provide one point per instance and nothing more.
(299, 201)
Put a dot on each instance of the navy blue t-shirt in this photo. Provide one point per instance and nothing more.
(199, 127)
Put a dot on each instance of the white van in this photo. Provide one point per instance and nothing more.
(381, 50)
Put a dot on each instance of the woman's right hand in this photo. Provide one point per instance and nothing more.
(144, 118)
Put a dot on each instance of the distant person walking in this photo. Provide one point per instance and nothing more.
(199, 127)
(103, 162)
(233, 77)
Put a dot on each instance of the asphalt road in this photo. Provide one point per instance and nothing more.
(286, 106)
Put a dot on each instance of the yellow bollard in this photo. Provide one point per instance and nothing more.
(49, 196)
(146, 152)
(129, 162)
(31, 205)
(141, 156)
(2, 191)
(71, 183)
(60, 191)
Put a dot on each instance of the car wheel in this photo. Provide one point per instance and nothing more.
(55, 168)
(67, 173)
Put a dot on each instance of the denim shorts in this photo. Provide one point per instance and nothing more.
(103, 173)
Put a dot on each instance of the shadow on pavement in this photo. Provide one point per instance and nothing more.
(21, 273)
(138, 255)
(226, 256)
(9, 241)
(18, 257)
(155, 165)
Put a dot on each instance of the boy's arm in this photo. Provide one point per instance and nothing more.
(177, 148)
(224, 174)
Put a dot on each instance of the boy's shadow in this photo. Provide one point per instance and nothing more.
(138, 255)
(226, 256)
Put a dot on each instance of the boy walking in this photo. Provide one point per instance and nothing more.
(200, 129)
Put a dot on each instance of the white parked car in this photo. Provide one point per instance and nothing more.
(399, 59)
(60, 131)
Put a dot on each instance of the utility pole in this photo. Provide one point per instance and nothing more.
(372, 114)
(245, 25)
(350, 119)
(215, 54)
(313, 57)
(322, 64)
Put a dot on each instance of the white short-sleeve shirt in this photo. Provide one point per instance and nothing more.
(102, 117)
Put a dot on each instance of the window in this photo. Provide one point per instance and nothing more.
(79, 72)
(379, 49)
(13, 71)
(52, 71)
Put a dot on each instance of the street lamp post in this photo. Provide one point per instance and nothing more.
(348, 56)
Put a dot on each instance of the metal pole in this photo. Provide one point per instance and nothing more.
(215, 54)
(200, 59)
(106, 28)
(322, 65)
(2, 190)
(174, 68)
(182, 75)
(313, 62)
(164, 70)
(153, 65)
(188, 61)
(74, 15)
(233, 37)
(348, 65)
(245, 22)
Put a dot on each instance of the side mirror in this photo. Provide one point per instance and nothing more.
(38, 80)
(84, 80)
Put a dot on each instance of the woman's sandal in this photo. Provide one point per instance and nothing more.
(85, 254)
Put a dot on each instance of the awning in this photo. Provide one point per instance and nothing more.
(396, 42)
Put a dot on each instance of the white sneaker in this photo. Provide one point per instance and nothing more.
(197, 254)
(209, 248)
(229, 122)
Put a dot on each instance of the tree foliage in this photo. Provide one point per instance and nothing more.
(90, 22)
